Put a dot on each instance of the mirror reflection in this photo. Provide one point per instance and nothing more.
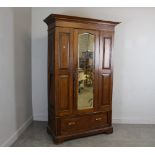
(85, 70)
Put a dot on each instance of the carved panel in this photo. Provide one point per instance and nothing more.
(63, 93)
(107, 53)
(64, 50)
(106, 89)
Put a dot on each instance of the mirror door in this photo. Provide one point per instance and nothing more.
(85, 70)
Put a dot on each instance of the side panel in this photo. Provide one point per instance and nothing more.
(51, 81)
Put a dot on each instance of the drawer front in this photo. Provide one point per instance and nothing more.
(75, 124)
(100, 120)
(81, 123)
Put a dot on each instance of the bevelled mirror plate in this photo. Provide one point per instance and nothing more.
(85, 71)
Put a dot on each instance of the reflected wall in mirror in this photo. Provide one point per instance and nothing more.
(85, 70)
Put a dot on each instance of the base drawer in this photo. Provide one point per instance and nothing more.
(86, 122)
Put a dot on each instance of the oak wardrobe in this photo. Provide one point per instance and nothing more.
(79, 76)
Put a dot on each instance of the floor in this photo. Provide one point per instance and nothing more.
(124, 135)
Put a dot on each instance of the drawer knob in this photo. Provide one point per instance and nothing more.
(98, 119)
(71, 123)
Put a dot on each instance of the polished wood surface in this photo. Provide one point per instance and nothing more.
(82, 123)
(55, 17)
(65, 120)
(63, 70)
(79, 22)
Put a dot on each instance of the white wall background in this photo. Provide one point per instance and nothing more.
(15, 73)
(134, 54)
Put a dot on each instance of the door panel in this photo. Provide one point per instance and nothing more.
(64, 92)
(63, 70)
(105, 71)
(105, 82)
(64, 50)
(107, 52)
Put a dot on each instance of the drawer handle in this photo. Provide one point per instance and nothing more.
(98, 119)
(71, 123)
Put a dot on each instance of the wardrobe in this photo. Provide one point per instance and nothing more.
(80, 76)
